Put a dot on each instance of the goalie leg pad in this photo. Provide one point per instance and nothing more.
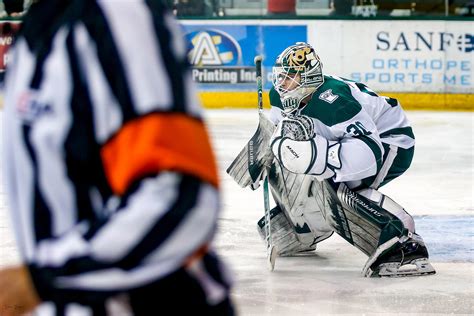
(358, 220)
(284, 236)
(391, 206)
(391, 246)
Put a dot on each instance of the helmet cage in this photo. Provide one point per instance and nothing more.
(296, 74)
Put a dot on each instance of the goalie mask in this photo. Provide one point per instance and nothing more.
(297, 74)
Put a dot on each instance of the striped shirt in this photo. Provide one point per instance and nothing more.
(111, 179)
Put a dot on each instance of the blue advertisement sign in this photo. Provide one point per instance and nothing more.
(222, 56)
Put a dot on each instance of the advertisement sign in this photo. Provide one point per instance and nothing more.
(222, 55)
(7, 32)
(404, 56)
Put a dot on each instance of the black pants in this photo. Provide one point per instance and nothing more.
(179, 294)
(13, 6)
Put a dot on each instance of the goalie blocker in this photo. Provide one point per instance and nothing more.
(372, 222)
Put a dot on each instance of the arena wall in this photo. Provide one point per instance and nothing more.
(427, 65)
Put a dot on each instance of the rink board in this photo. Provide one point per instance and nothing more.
(425, 64)
(409, 101)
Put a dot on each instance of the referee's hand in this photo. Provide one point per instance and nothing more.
(18, 295)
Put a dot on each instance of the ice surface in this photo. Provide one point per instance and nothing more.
(437, 190)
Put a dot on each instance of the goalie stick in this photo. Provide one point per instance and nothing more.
(271, 250)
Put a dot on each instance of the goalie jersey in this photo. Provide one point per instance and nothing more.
(371, 129)
(111, 179)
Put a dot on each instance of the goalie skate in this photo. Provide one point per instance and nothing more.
(409, 258)
(416, 267)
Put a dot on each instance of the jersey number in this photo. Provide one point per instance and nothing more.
(357, 129)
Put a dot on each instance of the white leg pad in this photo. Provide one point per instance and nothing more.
(284, 236)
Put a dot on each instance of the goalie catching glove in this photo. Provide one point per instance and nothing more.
(300, 150)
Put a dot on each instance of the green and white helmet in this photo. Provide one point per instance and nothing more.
(297, 73)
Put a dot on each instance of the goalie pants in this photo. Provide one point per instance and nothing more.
(396, 161)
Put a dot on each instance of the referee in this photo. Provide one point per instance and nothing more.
(110, 176)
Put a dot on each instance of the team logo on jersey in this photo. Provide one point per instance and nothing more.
(213, 48)
(31, 109)
(328, 96)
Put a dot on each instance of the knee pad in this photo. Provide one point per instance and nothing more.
(390, 206)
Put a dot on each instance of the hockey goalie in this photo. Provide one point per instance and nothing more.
(326, 146)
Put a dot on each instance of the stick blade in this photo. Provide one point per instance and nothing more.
(272, 253)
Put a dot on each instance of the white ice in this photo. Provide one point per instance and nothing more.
(437, 190)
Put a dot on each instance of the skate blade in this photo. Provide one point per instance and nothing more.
(418, 267)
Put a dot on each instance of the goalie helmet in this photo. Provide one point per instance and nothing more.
(297, 73)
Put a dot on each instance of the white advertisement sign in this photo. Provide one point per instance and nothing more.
(398, 56)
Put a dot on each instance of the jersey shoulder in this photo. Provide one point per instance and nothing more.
(332, 103)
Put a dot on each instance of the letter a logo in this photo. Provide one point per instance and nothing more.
(204, 51)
